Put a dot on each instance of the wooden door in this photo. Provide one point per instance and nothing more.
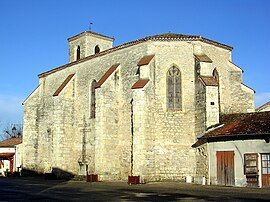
(225, 167)
(265, 170)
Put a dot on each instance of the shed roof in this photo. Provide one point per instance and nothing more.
(11, 142)
(140, 83)
(254, 125)
(145, 60)
(209, 80)
(203, 58)
(106, 75)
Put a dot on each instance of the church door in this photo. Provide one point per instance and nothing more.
(225, 168)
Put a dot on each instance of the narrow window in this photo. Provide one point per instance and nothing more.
(78, 53)
(174, 97)
(97, 49)
(216, 76)
(93, 99)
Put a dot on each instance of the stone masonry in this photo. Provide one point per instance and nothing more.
(132, 131)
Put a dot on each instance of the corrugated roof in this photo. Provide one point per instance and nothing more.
(203, 58)
(11, 142)
(140, 83)
(145, 60)
(209, 80)
(106, 75)
(240, 125)
(160, 37)
(62, 86)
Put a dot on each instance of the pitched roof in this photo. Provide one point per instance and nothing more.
(263, 106)
(106, 75)
(160, 37)
(62, 86)
(203, 58)
(209, 80)
(254, 125)
(11, 142)
(145, 60)
(90, 33)
(140, 83)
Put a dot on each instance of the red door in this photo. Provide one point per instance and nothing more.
(225, 168)
(265, 170)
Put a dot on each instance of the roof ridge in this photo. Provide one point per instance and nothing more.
(165, 37)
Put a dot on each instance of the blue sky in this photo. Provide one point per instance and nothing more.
(33, 36)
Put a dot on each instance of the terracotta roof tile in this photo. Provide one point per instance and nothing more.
(145, 60)
(11, 142)
(160, 37)
(239, 125)
(208, 80)
(203, 58)
(106, 75)
(140, 83)
(6, 155)
(62, 86)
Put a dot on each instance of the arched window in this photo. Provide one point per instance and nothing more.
(174, 97)
(93, 99)
(78, 53)
(97, 49)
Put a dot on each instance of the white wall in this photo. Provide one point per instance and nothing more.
(240, 147)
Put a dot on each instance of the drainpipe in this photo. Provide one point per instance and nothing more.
(132, 138)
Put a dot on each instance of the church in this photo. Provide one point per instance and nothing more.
(134, 109)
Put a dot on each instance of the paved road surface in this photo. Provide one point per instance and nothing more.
(31, 189)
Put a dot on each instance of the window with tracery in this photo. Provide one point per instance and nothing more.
(174, 97)
(93, 99)
(78, 53)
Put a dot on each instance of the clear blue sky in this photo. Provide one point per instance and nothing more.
(33, 36)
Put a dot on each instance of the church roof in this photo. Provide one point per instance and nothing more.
(11, 142)
(242, 126)
(91, 33)
(159, 37)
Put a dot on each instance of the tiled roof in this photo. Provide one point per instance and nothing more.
(6, 155)
(145, 60)
(203, 58)
(11, 142)
(106, 75)
(140, 83)
(91, 33)
(263, 106)
(235, 126)
(209, 80)
(160, 37)
(62, 86)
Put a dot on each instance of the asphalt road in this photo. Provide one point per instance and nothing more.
(38, 189)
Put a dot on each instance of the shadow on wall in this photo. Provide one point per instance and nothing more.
(56, 174)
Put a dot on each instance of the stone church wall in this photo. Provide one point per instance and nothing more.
(133, 132)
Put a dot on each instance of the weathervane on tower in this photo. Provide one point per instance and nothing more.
(90, 26)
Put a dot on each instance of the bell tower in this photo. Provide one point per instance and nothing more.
(88, 43)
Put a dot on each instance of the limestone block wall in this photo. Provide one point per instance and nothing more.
(59, 132)
(233, 99)
(212, 106)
